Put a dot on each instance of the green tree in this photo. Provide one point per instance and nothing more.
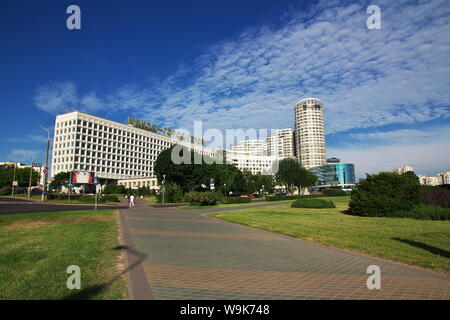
(288, 173)
(59, 180)
(383, 194)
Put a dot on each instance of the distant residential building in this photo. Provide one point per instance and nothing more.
(310, 133)
(335, 175)
(428, 181)
(245, 160)
(19, 165)
(281, 143)
(255, 147)
(443, 177)
(403, 169)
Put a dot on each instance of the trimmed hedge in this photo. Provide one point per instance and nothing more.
(101, 198)
(334, 193)
(283, 198)
(228, 200)
(201, 198)
(313, 203)
(423, 212)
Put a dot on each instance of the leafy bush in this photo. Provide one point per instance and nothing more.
(227, 200)
(114, 189)
(383, 194)
(438, 197)
(334, 193)
(313, 203)
(173, 194)
(201, 198)
(5, 191)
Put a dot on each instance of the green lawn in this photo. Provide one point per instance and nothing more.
(72, 201)
(37, 248)
(423, 243)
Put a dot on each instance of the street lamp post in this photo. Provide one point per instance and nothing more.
(46, 164)
(14, 180)
(225, 185)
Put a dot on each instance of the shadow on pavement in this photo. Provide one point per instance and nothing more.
(91, 291)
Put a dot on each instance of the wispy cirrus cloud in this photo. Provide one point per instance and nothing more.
(367, 78)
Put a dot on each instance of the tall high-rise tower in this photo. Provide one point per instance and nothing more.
(309, 133)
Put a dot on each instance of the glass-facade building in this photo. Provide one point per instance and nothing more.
(333, 175)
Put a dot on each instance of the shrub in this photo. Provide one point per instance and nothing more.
(5, 191)
(227, 200)
(313, 203)
(114, 189)
(438, 197)
(173, 194)
(201, 198)
(283, 198)
(423, 212)
(383, 194)
(62, 196)
(334, 193)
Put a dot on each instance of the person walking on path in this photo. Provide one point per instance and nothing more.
(131, 201)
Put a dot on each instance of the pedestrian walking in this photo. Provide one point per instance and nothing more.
(131, 200)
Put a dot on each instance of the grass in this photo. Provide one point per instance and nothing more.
(422, 243)
(37, 248)
(72, 201)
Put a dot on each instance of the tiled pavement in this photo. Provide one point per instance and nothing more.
(191, 256)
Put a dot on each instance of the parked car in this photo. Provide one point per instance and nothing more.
(280, 194)
(250, 196)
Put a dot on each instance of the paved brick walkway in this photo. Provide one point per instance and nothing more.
(191, 256)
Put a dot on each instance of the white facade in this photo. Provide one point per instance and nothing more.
(444, 177)
(255, 147)
(150, 183)
(403, 169)
(111, 149)
(428, 181)
(248, 161)
(281, 143)
(310, 133)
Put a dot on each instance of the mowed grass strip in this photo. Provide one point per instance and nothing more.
(422, 243)
(37, 248)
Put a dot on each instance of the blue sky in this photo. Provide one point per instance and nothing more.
(235, 64)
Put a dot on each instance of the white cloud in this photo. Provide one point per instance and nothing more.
(367, 78)
(393, 135)
(60, 97)
(23, 155)
(429, 155)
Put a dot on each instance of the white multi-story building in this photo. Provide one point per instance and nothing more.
(281, 143)
(309, 132)
(428, 181)
(443, 177)
(113, 150)
(245, 160)
(254, 147)
(403, 169)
